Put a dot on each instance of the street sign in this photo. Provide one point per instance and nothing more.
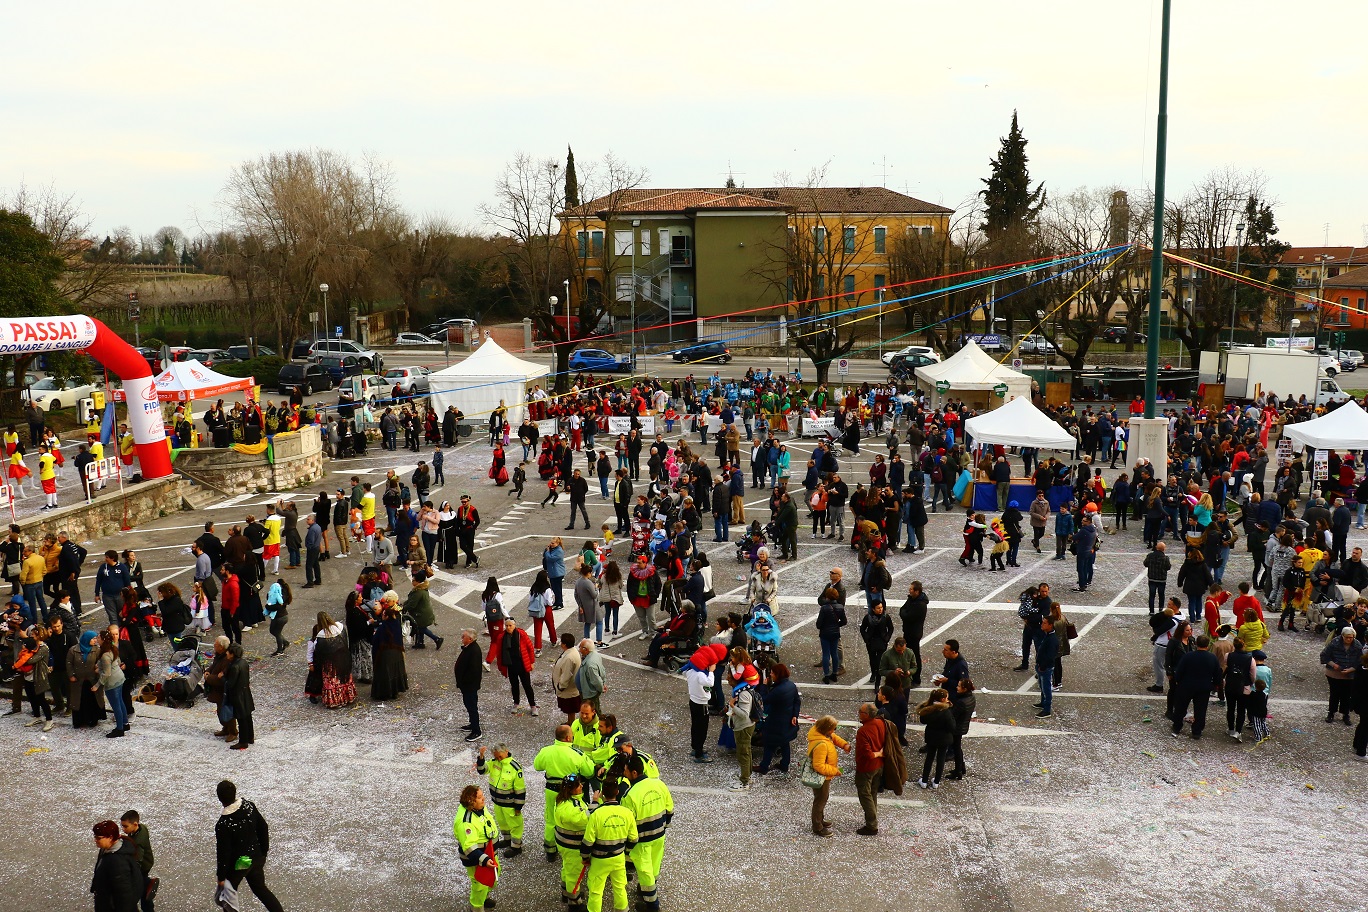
(1000, 391)
(337, 331)
(843, 366)
(942, 386)
(1016, 364)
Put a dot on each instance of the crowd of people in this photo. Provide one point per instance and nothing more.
(605, 810)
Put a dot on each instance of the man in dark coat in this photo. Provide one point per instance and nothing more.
(1197, 674)
(237, 690)
(469, 669)
(578, 488)
(913, 616)
(239, 833)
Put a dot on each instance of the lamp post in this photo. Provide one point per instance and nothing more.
(1049, 354)
(878, 297)
(323, 287)
(1320, 300)
(1235, 289)
(566, 285)
(1157, 245)
(1292, 331)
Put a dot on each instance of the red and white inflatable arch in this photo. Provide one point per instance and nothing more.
(34, 335)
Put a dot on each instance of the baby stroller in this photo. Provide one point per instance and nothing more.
(764, 633)
(184, 678)
(641, 539)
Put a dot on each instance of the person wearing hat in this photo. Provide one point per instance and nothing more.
(118, 882)
(699, 675)
(741, 716)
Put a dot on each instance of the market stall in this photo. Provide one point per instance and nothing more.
(478, 384)
(1019, 423)
(1346, 428)
(972, 376)
(184, 382)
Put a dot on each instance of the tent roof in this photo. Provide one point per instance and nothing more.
(192, 380)
(1019, 423)
(970, 368)
(491, 360)
(1346, 428)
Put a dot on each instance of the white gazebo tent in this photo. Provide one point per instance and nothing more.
(1346, 428)
(1019, 423)
(477, 384)
(971, 374)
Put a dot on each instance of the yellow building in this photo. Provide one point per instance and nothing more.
(706, 252)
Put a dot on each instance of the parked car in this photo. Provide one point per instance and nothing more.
(412, 380)
(1036, 345)
(596, 359)
(338, 368)
(209, 356)
(370, 358)
(153, 358)
(300, 350)
(51, 393)
(1120, 334)
(244, 352)
(307, 377)
(373, 386)
(411, 338)
(904, 366)
(704, 351)
(926, 350)
(178, 352)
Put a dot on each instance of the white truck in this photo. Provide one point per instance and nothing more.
(1249, 370)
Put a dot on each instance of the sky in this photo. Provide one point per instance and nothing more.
(141, 111)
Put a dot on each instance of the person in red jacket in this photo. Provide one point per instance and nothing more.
(516, 659)
(230, 596)
(869, 747)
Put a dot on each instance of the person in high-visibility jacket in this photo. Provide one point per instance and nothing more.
(609, 738)
(509, 793)
(476, 832)
(558, 760)
(96, 450)
(610, 834)
(572, 816)
(584, 731)
(650, 802)
(126, 445)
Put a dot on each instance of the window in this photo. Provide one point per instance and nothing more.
(819, 237)
(821, 286)
(927, 232)
(879, 284)
(848, 238)
(596, 242)
(790, 289)
(583, 238)
(880, 241)
(646, 243)
(622, 243)
(849, 283)
(624, 287)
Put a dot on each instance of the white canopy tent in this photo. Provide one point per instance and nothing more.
(972, 370)
(1019, 423)
(1346, 428)
(477, 384)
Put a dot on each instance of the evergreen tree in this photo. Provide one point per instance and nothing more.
(571, 180)
(1011, 206)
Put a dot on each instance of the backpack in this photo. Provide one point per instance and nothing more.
(937, 476)
(1237, 673)
(1026, 606)
(757, 707)
(404, 493)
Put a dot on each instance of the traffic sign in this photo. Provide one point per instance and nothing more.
(337, 331)
(843, 366)
(1016, 364)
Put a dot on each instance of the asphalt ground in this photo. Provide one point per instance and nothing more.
(1094, 808)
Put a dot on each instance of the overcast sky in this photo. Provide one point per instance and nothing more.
(141, 110)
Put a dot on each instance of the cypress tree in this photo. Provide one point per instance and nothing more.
(1009, 202)
(571, 180)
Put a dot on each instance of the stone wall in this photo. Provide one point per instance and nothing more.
(139, 503)
(298, 461)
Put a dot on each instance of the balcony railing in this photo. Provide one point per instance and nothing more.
(681, 257)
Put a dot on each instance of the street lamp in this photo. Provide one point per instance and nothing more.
(1292, 332)
(878, 297)
(1320, 300)
(323, 287)
(636, 224)
(1235, 289)
(1049, 355)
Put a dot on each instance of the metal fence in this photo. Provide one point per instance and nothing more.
(739, 333)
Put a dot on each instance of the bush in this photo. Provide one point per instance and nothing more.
(265, 370)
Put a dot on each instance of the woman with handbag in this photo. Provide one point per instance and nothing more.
(541, 608)
(821, 765)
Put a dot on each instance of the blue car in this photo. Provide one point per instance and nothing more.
(596, 359)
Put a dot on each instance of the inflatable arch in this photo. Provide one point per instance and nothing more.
(35, 335)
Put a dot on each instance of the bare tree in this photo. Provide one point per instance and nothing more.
(88, 283)
(929, 262)
(415, 256)
(815, 269)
